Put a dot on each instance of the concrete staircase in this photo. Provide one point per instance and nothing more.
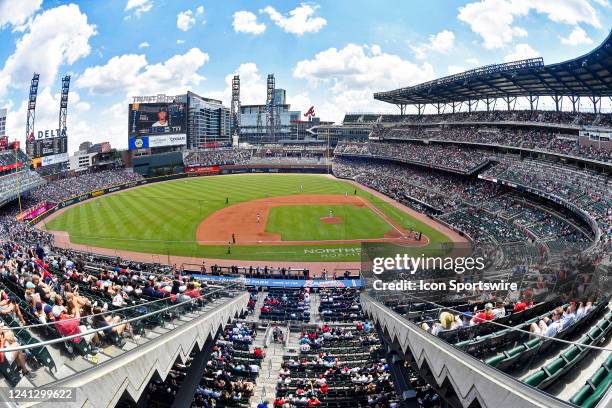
(265, 388)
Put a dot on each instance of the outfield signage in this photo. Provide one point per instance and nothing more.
(285, 283)
(203, 169)
(54, 159)
(101, 192)
(144, 142)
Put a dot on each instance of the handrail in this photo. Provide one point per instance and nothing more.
(110, 326)
(477, 369)
(514, 328)
(91, 315)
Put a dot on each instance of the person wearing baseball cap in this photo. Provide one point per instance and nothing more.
(485, 316)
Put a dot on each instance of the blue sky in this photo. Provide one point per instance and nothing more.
(332, 54)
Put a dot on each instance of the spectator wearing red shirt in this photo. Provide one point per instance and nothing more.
(192, 292)
(324, 388)
(68, 325)
(314, 402)
(487, 315)
(520, 306)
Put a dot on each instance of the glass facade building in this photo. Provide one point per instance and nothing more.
(208, 122)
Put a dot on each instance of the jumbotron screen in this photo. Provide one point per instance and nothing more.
(156, 119)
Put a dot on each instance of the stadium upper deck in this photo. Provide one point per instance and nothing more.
(587, 76)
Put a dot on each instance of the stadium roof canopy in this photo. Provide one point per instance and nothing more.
(586, 76)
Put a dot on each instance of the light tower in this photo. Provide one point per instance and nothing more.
(235, 108)
(31, 115)
(63, 112)
(270, 104)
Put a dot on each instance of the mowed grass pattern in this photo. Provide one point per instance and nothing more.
(357, 223)
(162, 218)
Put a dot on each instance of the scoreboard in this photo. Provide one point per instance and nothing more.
(49, 145)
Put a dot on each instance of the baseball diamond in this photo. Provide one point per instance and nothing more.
(262, 217)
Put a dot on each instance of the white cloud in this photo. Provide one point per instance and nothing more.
(144, 45)
(15, 13)
(520, 52)
(58, 36)
(577, 37)
(472, 61)
(442, 42)
(179, 42)
(455, 69)
(133, 75)
(301, 102)
(246, 22)
(185, 20)
(129, 74)
(493, 20)
(79, 128)
(118, 74)
(252, 86)
(139, 6)
(568, 11)
(353, 73)
(299, 21)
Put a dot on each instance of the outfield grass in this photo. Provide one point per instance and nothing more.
(357, 223)
(162, 218)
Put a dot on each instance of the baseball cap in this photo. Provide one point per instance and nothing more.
(57, 310)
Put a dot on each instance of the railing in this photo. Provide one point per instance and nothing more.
(110, 326)
(470, 378)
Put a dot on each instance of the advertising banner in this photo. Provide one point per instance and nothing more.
(54, 159)
(144, 142)
(285, 283)
(35, 211)
(203, 170)
(168, 140)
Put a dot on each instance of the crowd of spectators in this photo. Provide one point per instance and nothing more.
(548, 140)
(481, 209)
(560, 319)
(64, 188)
(538, 116)
(62, 294)
(337, 366)
(287, 153)
(452, 158)
(228, 378)
(286, 305)
(340, 305)
(231, 371)
(590, 192)
(214, 157)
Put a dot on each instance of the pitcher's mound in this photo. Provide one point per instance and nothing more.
(331, 220)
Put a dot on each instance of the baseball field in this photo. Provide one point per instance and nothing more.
(271, 217)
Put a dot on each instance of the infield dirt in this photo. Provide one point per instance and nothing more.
(245, 223)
